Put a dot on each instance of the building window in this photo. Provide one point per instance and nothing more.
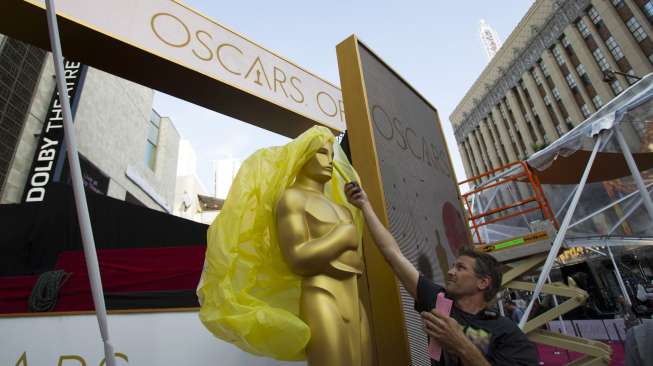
(648, 9)
(521, 83)
(618, 3)
(536, 77)
(582, 73)
(598, 103)
(636, 29)
(631, 81)
(547, 100)
(600, 59)
(585, 110)
(582, 28)
(546, 139)
(565, 41)
(570, 81)
(558, 56)
(559, 130)
(594, 15)
(545, 71)
(556, 93)
(614, 48)
(152, 139)
(616, 87)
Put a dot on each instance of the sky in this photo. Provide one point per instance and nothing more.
(434, 45)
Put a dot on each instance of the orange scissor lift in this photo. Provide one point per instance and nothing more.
(522, 195)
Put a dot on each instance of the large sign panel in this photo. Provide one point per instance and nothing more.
(421, 194)
(415, 177)
(170, 47)
(161, 339)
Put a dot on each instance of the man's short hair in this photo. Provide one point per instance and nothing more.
(485, 266)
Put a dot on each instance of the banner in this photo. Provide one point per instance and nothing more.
(174, 49)
(145, 339)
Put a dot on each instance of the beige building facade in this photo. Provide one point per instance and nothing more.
(125, 143)
(564, 61)
(192, 201)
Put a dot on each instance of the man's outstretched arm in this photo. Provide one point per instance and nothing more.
(401, 266)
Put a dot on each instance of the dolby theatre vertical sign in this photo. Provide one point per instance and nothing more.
(50, 149)
(398, 147)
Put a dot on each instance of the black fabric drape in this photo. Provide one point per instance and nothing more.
(33, 234)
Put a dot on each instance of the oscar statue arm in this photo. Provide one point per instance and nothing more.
(307, 256)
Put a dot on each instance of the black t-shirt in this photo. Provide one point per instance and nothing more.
(497, 337)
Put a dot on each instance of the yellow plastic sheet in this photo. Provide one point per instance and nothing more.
(247, 293)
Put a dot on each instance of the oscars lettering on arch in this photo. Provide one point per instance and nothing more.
(235, 62)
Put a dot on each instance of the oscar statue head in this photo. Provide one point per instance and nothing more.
(319, 167)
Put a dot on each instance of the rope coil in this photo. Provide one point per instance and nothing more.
(46, 291)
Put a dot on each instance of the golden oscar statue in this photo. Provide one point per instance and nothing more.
(318, 240)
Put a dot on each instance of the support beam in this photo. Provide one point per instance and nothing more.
(557, 243)
(612, 204)
(598, 353)
(620, 280)
(634, 170)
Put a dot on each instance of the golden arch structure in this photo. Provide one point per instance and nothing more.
(170, 47)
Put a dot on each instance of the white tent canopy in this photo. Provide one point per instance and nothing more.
(612, 203)
(597, 178)
(617, 111)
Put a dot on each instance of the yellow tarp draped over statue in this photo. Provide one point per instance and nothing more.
(248, 295)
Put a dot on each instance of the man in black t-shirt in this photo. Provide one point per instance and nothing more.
(471, 335)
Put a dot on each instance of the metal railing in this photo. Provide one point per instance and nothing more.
(506, 175)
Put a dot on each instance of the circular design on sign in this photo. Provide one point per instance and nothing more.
(386, 135)
(454, 228)
(333, 102)
(179, 45)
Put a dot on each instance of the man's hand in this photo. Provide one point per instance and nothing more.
(449, 334)
(445, 330)
(356, 195)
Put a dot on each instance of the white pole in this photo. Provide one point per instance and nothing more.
(617, 272)
(555, 302)
(620, 280)
(625, 217)
(78, 186)
(607, 207)
(481, 210)
(501, 310)
(564, 204)
(515, 198)
(635, 172)
(494, 195)
(546, 269)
